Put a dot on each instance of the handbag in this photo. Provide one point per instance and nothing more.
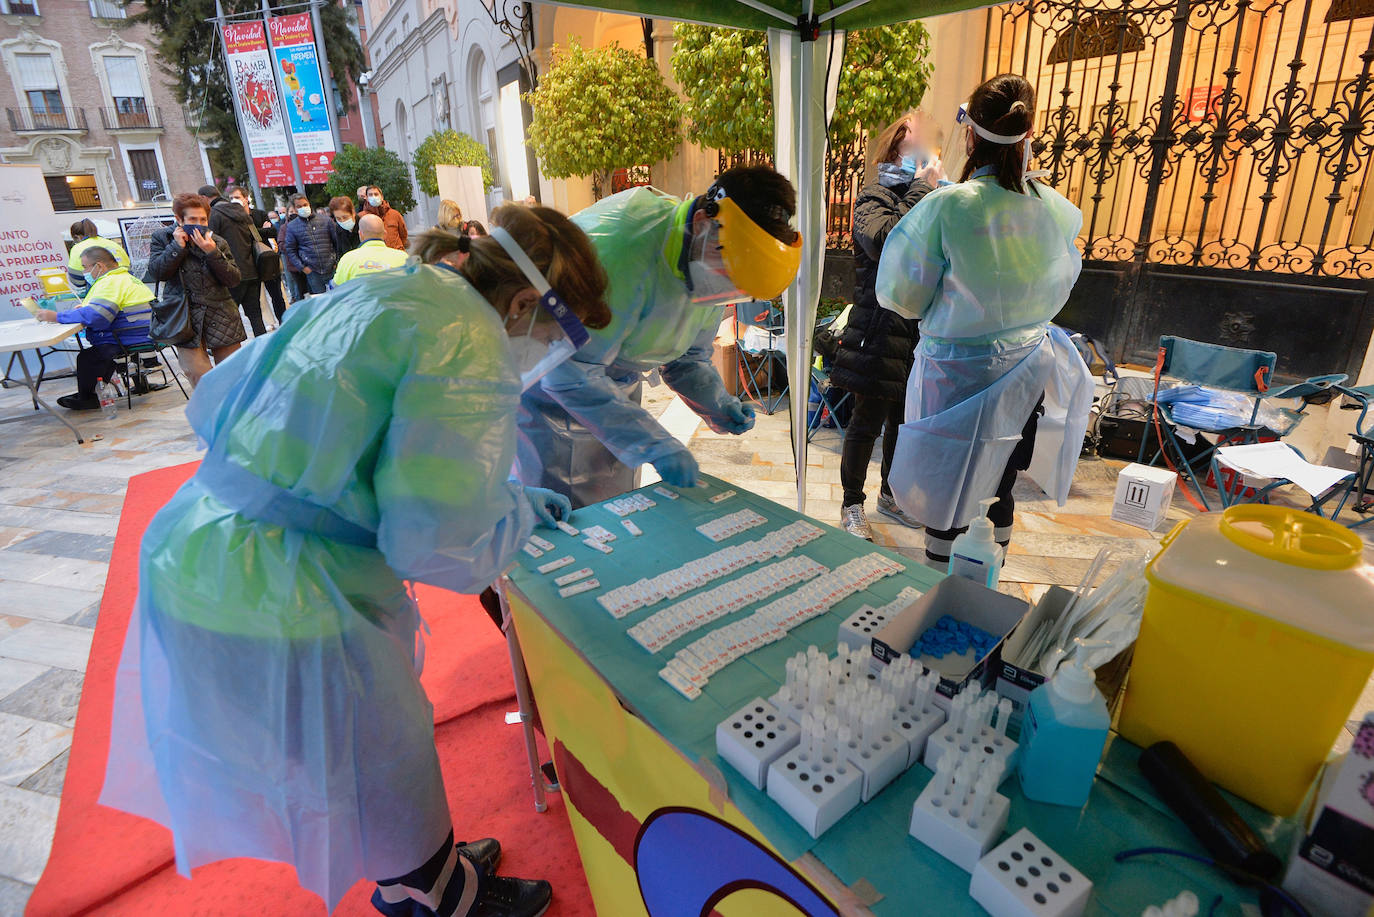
(265, 257)
(171, 322)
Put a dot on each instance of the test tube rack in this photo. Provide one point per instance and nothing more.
(858, 629)
(814, 783)
(1023, 877)
(960, 814)
(754, 737)
(970, 730)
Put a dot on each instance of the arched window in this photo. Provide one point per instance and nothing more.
(1342, 10)
(1097, 35)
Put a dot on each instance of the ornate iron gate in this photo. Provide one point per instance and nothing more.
(1220, 151)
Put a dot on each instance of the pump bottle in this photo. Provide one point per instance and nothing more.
(1062, 737)
(976, 555)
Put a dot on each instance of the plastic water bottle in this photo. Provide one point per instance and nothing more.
(109, 399)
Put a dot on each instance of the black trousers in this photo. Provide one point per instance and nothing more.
(248, 294)
(1002, 513)
(94, 363)
(871, 417)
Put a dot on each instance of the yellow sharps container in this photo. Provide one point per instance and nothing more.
(1257, 638)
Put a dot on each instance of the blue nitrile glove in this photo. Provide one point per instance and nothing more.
(739, 417)
(549, 505)
(678, 469)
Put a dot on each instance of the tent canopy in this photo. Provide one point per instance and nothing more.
(801, 39)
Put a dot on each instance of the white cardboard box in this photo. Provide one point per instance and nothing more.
(1143, 495)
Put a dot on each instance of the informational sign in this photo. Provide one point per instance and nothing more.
(30, 237)
(1202, 102)
(307, 115)
(255, 95)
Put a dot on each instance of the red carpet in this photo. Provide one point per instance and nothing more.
(108, 862)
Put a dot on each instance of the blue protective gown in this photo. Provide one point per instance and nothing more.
(985, 270)
(268, 701)
(582, 430)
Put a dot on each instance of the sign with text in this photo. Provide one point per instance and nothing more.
(30, 237)
(307, 115)
(255, 95)
(1202, 102)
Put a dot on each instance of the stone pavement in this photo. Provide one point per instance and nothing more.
(60, 505)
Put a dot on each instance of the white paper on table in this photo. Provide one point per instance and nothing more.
(1275, 460)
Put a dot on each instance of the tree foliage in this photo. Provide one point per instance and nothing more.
(449, 148)
(355, 167)
(192, 63)
(725, 76)
(597, 110)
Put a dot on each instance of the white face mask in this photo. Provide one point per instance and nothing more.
(303, 212)
(535, 357)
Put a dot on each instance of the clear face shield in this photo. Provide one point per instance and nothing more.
(961, 135)
(539, 346)
(733, 259)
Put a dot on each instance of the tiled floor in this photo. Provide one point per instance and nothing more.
(59, 509)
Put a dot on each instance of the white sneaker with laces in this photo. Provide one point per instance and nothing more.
(853, 520)
(888, 507)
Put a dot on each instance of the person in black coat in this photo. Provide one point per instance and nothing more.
(231, 222)
(267, 231)
(875, 349)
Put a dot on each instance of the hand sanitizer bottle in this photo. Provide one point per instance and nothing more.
(1062, 736)
(976, 555)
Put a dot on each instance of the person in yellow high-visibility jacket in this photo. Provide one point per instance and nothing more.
(86, 235)
(372, 255)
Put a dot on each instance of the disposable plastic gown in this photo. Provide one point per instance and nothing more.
(268, 702)
(984, 269)
(582, 430)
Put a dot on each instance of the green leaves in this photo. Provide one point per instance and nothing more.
(597, 110)
(449, 148)
(726, 78)
(354, 167)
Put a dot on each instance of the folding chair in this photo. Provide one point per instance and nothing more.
(129, 363)
(1228, 369)
(826, 405)
(770, 360)
(1357, 491)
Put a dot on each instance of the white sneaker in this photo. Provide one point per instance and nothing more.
(888, 507)
(853, 520)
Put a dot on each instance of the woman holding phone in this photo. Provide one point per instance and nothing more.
(193, 264)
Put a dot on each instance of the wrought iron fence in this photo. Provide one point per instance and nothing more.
(1207, 133)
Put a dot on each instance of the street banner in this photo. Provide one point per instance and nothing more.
(255, 95)
(307, 115)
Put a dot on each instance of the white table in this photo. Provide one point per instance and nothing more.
(31, 334)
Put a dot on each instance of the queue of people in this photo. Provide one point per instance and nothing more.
(494, 383)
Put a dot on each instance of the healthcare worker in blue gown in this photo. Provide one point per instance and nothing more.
(985, 264)
(672, 265)
(268, 701)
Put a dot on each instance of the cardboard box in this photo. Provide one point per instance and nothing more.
(963, 600)
(1332, 870)
(1016, 682)
(1143, 495)
(723, 359)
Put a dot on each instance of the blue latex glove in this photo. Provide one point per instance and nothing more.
(739, 417)
(549, 505)
(678, 469)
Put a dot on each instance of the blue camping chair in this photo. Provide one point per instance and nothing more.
(1247, 373)
(1357, 491)
(770, 361)
(824, 405)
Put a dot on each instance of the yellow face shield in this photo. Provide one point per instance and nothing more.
(760, 264)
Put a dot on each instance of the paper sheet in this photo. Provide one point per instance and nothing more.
(1275, 460)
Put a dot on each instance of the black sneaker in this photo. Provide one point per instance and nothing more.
(485, 854)
(506, 897)
(77, 403)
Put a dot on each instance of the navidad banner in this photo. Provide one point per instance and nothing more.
(255, 94)
(307, 115)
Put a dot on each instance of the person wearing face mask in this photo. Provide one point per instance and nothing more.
(346, 236)
(583, 431)
(396, 234)
(84, 235)
(267, 702)
(195, 265)
(309, 244)
(115, 311)
(984, 265)
(232, 223)
(370, 257)
(874, 353)
(296, 285)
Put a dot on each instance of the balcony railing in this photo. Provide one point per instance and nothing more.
(117, 119)
(30, 120)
